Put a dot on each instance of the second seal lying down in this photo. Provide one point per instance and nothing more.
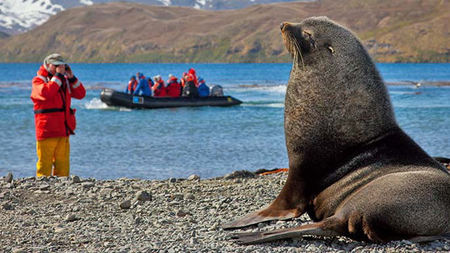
(351, 168)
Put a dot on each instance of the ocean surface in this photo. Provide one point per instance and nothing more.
(209, 141)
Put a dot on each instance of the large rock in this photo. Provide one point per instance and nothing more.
(240, 174)
(143, 196)
(9, 177)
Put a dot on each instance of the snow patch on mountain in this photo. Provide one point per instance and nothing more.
(26, 13)
(88, 2)
(166, 2)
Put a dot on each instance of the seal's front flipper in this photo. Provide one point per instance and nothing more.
(279, 234)
(264, 215)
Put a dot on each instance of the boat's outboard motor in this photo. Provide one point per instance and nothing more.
(216, 91)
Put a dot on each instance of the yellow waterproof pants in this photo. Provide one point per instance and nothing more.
(53, 153)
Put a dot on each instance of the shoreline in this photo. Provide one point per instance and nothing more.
(136, 215)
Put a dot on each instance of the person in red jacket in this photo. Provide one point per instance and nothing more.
(194, 76)
(131, 87)
(159, 89)
(51, 93)
(173, 87)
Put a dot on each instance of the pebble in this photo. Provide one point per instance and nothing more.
(18, 250)
(70, 218)
(143, 196)
(125, 204)
(193, 177)
(44, 187)
(87, 184)
(7, 206)
(76, 179)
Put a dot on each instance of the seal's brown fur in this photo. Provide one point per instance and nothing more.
(351, 168)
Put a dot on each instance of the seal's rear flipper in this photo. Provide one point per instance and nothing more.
(264, 215)
(260, 237)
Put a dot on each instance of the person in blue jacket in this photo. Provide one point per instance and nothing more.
(142, 87)
(203, 89)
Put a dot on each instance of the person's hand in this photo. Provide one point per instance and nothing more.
(61, 69)
(69, 72)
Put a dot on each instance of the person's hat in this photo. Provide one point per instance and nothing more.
(170, 76)
(133, 77)
(55, 59)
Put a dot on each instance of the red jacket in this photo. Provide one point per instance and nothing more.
(173, 87)
(51, 96)
(132, 86)
(194, 76)
(159, 90)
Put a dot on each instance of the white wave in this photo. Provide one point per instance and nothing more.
(271, 88)
(277, 88)
(95, 103)
(274, 105)
(124, 109)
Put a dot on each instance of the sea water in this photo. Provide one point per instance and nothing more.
(114, 142)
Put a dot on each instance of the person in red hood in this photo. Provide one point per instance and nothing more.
(173, 87)
(51, 93)
(159, 89)
(194, 76)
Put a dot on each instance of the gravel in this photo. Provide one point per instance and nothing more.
(176, 215)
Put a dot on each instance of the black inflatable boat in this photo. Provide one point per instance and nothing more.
(116, 98)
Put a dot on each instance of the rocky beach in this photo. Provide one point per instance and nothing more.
(176, 215)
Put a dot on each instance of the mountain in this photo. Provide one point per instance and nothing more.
(3, 35)
(393, 31)
(17, 16)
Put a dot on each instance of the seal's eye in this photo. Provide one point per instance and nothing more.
(330, 48)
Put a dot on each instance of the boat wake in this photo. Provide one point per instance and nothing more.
(95, 103)
(275, 104)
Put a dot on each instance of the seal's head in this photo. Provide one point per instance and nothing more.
(320, 38)
(335, 95)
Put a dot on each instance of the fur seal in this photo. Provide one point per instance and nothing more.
(351, 167)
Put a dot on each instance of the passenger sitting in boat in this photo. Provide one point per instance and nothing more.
(173, 87)
(194, 76)
(183, 79)
(159, 89)
(189, 89)
(203, 89)
(150, 83)
(142, 87)
(131, 87)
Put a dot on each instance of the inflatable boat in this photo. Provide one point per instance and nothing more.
(116, 98)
